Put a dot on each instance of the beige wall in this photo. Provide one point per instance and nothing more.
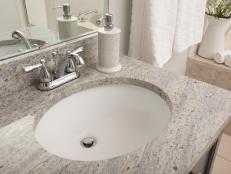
(81, 5)
(121, 9)
(36, 11)
(9, 17)
(177, 63)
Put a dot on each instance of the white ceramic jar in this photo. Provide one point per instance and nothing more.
(214, 37)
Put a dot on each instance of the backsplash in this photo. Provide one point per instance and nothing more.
(13, 78)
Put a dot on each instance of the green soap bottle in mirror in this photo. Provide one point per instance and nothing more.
(67, 24)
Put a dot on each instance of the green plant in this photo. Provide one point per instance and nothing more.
(219, 8)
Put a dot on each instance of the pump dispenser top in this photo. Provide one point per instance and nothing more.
(66, 11)
(108, 21)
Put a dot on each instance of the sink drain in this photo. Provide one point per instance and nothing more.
(88, 142)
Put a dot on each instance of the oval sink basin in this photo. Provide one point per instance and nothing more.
(103, 122)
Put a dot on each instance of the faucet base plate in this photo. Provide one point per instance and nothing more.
(58, 82)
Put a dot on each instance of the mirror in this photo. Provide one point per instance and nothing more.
(28, 25)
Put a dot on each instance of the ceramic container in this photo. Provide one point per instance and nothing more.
(213, 40)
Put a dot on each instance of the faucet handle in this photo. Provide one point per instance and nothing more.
(100, 21)
(45, 75)
(79, 59)
(77, 51)
(31, 68)
(70, 67)
(74, 60)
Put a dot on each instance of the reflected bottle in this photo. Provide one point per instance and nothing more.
(67, 24)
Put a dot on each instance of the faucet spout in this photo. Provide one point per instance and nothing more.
(81, 16)
(16, 34)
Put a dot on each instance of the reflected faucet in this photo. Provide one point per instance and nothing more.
(16, 34)
(81, 16)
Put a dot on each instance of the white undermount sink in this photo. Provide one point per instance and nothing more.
(103, 122)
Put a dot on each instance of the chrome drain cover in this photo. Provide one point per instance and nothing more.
(88, 142)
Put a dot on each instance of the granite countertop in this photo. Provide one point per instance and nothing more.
(199, 114)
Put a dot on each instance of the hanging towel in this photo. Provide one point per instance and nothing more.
(160, 27)
(152, 30)
(189, 24)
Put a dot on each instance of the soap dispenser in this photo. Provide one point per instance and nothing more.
(108, 47)
(67, 24)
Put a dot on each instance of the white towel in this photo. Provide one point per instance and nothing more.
(152, 30)
(190, 24)
(228, 60)
(221, 56)
(158, 24)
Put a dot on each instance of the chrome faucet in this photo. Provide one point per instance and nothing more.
(82, 16)
(16, 34)
(47, 79)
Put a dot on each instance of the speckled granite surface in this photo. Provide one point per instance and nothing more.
(199, 113)
(210, 72)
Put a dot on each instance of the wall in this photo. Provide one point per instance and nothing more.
(9, 18)
(121, 9)
(79, 6)
(37, 12)
(177, 63)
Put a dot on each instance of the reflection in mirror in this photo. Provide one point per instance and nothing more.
(31, 25)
